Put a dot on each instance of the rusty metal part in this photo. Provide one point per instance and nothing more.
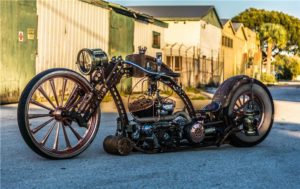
(228, 87)
(42, 126)
(117, 145)
(140, 104)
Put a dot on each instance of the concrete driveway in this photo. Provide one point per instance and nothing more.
(275, 163)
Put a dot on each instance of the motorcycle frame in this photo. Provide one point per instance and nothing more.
(111, 76)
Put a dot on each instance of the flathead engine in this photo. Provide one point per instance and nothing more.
(157, 127)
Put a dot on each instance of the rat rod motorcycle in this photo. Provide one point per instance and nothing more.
(59, 113)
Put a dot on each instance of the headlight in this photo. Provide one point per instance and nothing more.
(89, 59)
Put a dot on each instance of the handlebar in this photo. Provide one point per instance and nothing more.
(158, 74)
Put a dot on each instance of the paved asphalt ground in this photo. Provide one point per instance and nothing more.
(275, 163)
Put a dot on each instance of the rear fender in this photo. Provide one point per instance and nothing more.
(227, 89)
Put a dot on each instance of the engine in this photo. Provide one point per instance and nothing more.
(163, 133)
(156, 126)
(147, 107)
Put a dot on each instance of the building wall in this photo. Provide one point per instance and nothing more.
(199, 45)
(210, 40)
(143, 36)
(228, 52)
(183, 32)
(65, 27)
(17, 56)
(241, 52)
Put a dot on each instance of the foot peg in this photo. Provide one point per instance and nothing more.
(117, 145)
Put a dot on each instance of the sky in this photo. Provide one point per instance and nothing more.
(226, 8)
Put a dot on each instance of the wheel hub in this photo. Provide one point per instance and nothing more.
(58, 114)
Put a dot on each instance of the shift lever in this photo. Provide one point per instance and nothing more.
(158, 61)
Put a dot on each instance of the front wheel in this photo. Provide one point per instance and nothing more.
(44, 127)
(263, 106)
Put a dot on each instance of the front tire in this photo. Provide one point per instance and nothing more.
(42, 125)
(264, 104)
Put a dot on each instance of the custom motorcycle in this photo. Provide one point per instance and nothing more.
(59, 110)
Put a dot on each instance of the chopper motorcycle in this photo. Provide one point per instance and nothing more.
(59, 110)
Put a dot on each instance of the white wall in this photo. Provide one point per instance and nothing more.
(210, 40)
(143, 37)
(187, 33)
(65, 27)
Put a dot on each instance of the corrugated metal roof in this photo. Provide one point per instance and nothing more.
(174, 11)
(127, 12)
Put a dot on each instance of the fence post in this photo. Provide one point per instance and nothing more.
(212, 66)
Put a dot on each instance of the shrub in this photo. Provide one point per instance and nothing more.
(268, 78)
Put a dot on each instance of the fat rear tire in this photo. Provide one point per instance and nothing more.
(259, 90)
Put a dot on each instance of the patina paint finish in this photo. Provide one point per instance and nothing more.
(121, 32)
(18, 21)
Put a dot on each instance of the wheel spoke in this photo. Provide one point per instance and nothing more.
(75, 132)
(66, 137)
(38, 128)
(63, 91)
(70, 96)
(46, 96)
(237, 105)
(55, 145)
(40, 104)
(243, 106)
(54, 91)
(33, 116)
(44, 140)
(240, 102)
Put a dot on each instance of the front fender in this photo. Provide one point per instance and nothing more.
(225, 91)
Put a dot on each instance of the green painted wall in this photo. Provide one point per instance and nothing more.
(212, 18)
(17, 61)
(121, 33)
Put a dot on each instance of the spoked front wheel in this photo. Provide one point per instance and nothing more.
(41, 119)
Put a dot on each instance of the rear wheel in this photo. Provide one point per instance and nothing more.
(41, 120)
(264, 112)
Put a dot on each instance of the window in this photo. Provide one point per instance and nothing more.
(227, 42)
(169, 62)
(156, 40)
(223, 40)
(178, 63)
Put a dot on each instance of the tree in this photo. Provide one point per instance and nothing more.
(255, 18)
(272, 37)
(287, 67)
